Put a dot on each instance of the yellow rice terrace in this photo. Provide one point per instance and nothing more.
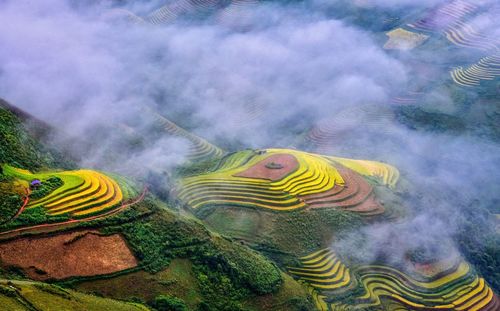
(285, 180)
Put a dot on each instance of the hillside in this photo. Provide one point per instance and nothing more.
(297, 202)
(247, 155)
(102, 242)
(24, 295)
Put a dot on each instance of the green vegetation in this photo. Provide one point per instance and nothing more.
(31, 217)
(177, 280)
(416, 118)
(22, 295)
(169, 303)
(226, 272)
(292, 232)
(248, 268)
(312, 230)
(480, 244)
(197, 168)
(180, 280)
(185, 266)
(228, 242)
(79, 193)
(156, 239)
(9, 205)
(48, 185)
(20, 149)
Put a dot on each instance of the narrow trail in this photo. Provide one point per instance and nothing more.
(26, 199)
(74, 221)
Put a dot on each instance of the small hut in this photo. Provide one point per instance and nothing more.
(35, 184)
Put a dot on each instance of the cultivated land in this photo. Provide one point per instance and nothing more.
(286, 180)
(80, 253)
(126, 232)
(287, 204)
(449, 284)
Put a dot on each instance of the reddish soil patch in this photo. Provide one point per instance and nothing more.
(355, 195)
(493, 305)
(273, 168)
(80, 253)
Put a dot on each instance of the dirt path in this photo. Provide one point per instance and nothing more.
(25, 202)
(73, 221)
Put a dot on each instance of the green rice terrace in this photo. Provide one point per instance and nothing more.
(250, 155)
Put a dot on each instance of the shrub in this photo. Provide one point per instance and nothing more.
(48, 185)
(416, 118)
(19, 148)
(8, 291)
(9, 205)
(33, 216)
(169, 303)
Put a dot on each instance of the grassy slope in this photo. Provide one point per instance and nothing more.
(23, 295)
(180, 257)
(177, 279)
(217, 271)
(222, 273)
(294, 232)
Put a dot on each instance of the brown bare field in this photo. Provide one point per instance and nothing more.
(80, 253)
(287, 162)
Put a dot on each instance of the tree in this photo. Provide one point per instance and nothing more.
(169, 303)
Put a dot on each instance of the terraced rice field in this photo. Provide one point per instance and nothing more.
(487, 68)
(199, 148)
(409, 98)
(122, 14)
(386, 174)
(247, 114)
(465, 35)
(235, 12)
(444, 15)
(284, 180)
(331, 131)
(451, 285)
(323, 271)
(170, 11)
(84, 192)
(174, 9)
(450, 20)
